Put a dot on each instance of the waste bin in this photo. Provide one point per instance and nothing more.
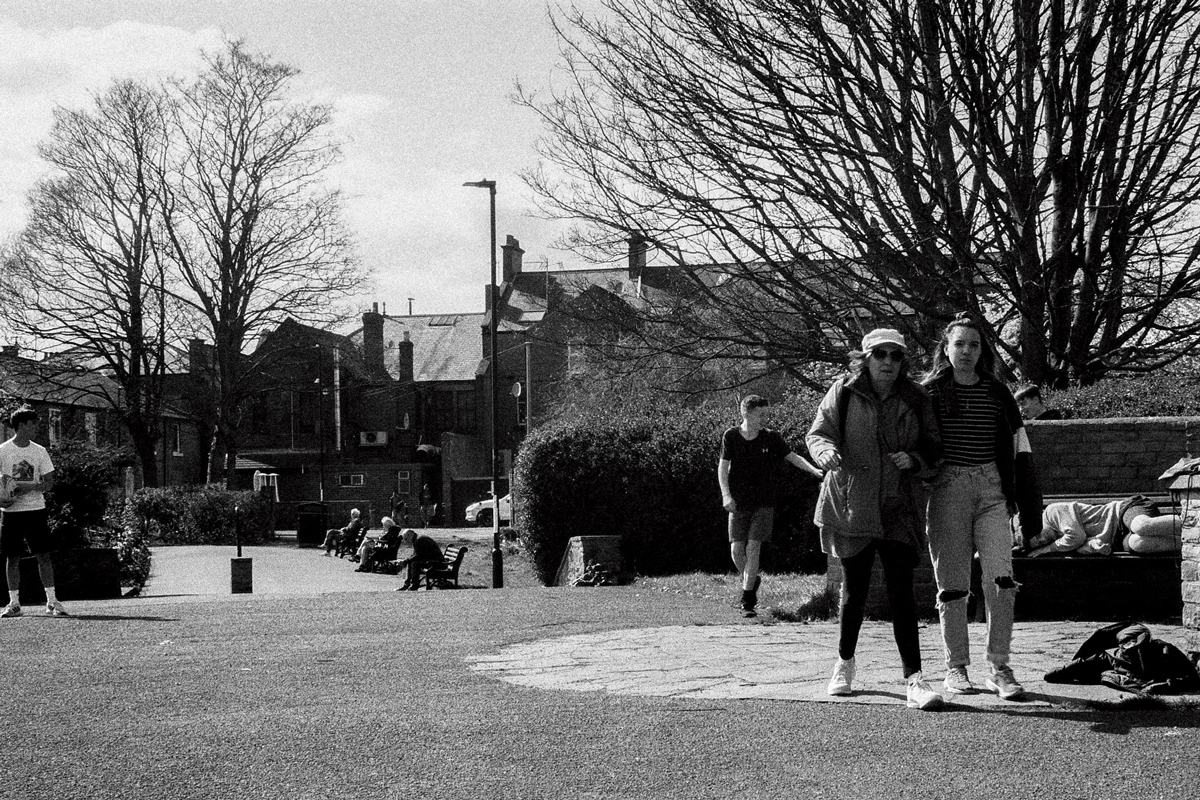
(311, 524)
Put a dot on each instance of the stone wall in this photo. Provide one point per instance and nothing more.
(1189, 568)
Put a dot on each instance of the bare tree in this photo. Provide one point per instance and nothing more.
(253, 230)
(86, 280)
(815, 166)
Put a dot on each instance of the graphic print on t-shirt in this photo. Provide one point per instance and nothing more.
(23, 471)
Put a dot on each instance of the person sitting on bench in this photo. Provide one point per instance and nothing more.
(1134, 525)
(378, 550)
(426, 553)
(338, 538)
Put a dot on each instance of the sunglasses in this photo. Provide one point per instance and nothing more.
(882, 355)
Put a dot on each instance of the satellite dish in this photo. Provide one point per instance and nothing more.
(516, 389)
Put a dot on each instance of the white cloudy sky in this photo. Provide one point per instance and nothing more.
(421, 89)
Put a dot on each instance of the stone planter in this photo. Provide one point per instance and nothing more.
(89, 573)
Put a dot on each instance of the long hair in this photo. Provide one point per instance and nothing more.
(985, 366)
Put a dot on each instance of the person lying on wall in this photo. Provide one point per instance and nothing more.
(1133, 525)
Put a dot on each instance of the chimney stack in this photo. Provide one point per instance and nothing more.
(637, 255)
(404, 355)
(373, 341)
(512, 258)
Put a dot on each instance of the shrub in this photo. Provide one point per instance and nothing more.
(78, 502)
(201, 515)
(1168, 393)
(124, 533)
(648, 475)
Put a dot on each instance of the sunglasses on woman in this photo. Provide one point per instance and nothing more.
(880, 354)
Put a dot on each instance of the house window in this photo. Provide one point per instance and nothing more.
(91, 424)
(355, 479)
(452, 410)
(55, 426)
(403, 483)
(177, 438)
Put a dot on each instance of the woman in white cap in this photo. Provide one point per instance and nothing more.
(985, 478)
(875, 432)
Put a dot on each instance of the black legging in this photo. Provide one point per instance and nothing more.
(898, 561)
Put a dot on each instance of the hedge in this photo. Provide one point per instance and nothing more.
(201, 515)
(650, 478)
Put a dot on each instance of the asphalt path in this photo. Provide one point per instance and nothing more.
(361, 694)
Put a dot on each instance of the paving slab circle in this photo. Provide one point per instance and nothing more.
(776, 662)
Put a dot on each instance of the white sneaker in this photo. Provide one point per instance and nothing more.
(55, 609)
(920, 696)
(1003, 683)
(843, 676)
(11, 610)
(957, 681)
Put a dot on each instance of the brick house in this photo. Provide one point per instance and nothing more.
(79, 403)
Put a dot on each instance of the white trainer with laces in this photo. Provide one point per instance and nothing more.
(920, 696)
(55, 609)
(11, 610)
(843, 677)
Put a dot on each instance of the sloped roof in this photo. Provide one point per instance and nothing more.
(446, 347)
(37, 381)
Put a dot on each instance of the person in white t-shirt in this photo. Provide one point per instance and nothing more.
(26, 468)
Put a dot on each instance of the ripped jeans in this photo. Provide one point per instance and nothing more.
(968, 515)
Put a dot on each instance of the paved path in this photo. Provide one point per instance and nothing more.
(743, 659)
(778, 662)
(279, 568)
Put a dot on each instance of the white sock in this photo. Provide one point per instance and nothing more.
(14, 596)
(51, 597)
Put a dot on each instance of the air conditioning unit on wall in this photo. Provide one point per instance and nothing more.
(371, 438)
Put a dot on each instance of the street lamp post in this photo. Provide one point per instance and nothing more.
(497, 556)
(320, 381)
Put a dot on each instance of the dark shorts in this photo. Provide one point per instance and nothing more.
(21, 529)
(1131, 509)
(754, 525)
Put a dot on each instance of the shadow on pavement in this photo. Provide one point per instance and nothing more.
(116, 618)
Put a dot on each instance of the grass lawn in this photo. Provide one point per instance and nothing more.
(789, 597)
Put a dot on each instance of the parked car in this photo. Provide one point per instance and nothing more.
(480, 512)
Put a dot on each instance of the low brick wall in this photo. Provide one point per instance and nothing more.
(1110, 456)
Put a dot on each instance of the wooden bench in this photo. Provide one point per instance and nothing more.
(1060, 586)
(445, 574)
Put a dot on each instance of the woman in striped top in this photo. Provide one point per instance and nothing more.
(972, 499)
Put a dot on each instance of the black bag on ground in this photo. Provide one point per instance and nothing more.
(1125, 656)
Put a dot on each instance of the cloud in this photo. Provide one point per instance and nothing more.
(41, 69)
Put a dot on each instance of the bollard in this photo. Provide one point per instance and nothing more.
(242, 575)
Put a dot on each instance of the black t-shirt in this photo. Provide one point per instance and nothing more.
(753, 465)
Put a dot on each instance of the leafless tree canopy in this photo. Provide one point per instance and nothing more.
(186, 209)
(252, 229)
(87, 279)
(832, 164)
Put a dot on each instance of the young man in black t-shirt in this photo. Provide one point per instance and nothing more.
(751, 454)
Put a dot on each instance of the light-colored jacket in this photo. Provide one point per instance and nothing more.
(868, 496)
